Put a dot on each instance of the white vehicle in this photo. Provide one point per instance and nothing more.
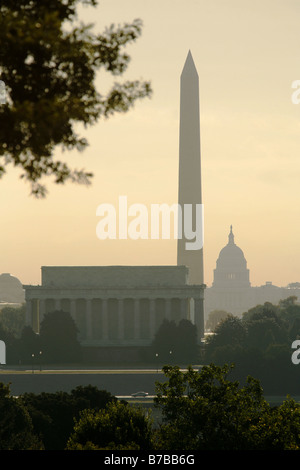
(139, 394)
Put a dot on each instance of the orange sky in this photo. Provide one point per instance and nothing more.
(247, 56)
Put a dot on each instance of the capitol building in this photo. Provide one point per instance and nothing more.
(231, 289)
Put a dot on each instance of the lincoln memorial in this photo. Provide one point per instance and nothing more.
(116, 305)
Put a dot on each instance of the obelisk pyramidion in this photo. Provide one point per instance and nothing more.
(189, 190)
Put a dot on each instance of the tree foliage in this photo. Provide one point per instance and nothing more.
(201, 410)
(16, 429)
(53, 414)
(259, 328)
(119, 426)
(207, 411)
(259, 344)
(176, 343)
(27, 347)
(58, 338)
(13, 319)
(214, 318)
(49, 61)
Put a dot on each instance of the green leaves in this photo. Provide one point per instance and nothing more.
(50, 72)
(118, 426)
(16, 430)
(207, 411)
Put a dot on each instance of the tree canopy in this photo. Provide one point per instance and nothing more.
(16, 429)
(176, 343)
(118, 426)
(53, 414)
(197, 410)
(207, 411)
(48, 62)
(13, 319)
(259, 344)
(214, 318)
(58, 338)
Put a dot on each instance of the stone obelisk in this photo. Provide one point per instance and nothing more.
(190, 191)
(189, 187)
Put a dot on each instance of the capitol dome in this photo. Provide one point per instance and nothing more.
(11, 289)
(231, 267)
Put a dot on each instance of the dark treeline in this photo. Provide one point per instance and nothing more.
(198, 410)
(258, 344)
(56, 342)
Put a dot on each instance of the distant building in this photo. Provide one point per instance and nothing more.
(231, 289)
(11, 290)
(116, 305)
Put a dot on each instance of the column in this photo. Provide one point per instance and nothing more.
(35, 315)
(191, 316)
(168, 309)
(29, 312)
(152, 318)
(88, 319)
(57, 304)
(42, 310)
(183, 308)
(136, 320)
(121, 319)
(104, 320)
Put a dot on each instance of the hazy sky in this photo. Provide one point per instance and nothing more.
(247, 55)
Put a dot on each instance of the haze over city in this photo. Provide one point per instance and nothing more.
(247, 58)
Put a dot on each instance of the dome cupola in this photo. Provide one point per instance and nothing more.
(11, 289)
(231, 267)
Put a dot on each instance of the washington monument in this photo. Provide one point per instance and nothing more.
(189, 187)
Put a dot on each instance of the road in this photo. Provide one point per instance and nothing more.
(118, 382)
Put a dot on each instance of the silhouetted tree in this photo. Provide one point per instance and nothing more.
(58, 335)
(290, 313)
(16, 430)
(294, 330)
(13, 319)
(25, 348)
(262, 311)
(214, 318)
(53, 414)
(175, 343)
(263, 331)
(49, 61)
(164, 341)
(229, 332)
(288, 302)
(186, 348)
(260, 344)
(208, 411)
(119, 426)
(93, 397)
